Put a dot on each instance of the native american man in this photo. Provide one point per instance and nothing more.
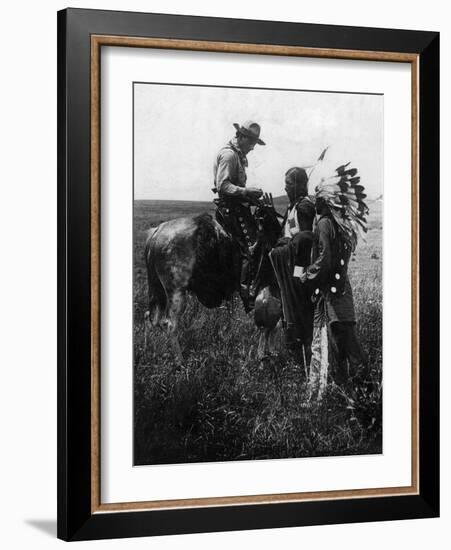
(341, 217)
(289, 258)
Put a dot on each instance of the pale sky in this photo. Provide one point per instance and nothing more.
(178, 131)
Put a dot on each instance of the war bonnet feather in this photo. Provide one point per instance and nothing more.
(341, 190)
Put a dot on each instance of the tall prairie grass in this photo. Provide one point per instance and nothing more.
(222, 403)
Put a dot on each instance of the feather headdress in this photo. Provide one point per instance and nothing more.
(341, 190)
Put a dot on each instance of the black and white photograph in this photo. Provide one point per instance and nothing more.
(258, 262)
(226, 302)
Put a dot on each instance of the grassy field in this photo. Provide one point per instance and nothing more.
(224, 404)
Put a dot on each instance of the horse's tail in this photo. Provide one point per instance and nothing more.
(157, 294)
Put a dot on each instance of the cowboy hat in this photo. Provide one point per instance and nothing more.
(250, 129)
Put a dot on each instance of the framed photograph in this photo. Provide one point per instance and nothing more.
(248, 274)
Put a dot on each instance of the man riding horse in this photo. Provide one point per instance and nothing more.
(235, 198)
(211, 258)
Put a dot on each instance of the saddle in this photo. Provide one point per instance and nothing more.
(238, 221)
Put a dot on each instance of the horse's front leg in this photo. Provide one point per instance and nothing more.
(272, 339)
(267, 314)
(262, 349)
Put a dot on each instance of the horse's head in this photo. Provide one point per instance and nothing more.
(268, 233)
(267, 220)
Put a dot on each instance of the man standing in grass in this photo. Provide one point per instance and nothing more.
(340, 213)
(289, 258)
(235, 198)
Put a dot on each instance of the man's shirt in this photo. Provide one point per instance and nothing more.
(230, 171)
(299, 217)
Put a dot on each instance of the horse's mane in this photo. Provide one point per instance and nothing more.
(215, 270)
(205, 224)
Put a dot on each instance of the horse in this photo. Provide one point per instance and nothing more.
(268, 304)
(197, 255)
